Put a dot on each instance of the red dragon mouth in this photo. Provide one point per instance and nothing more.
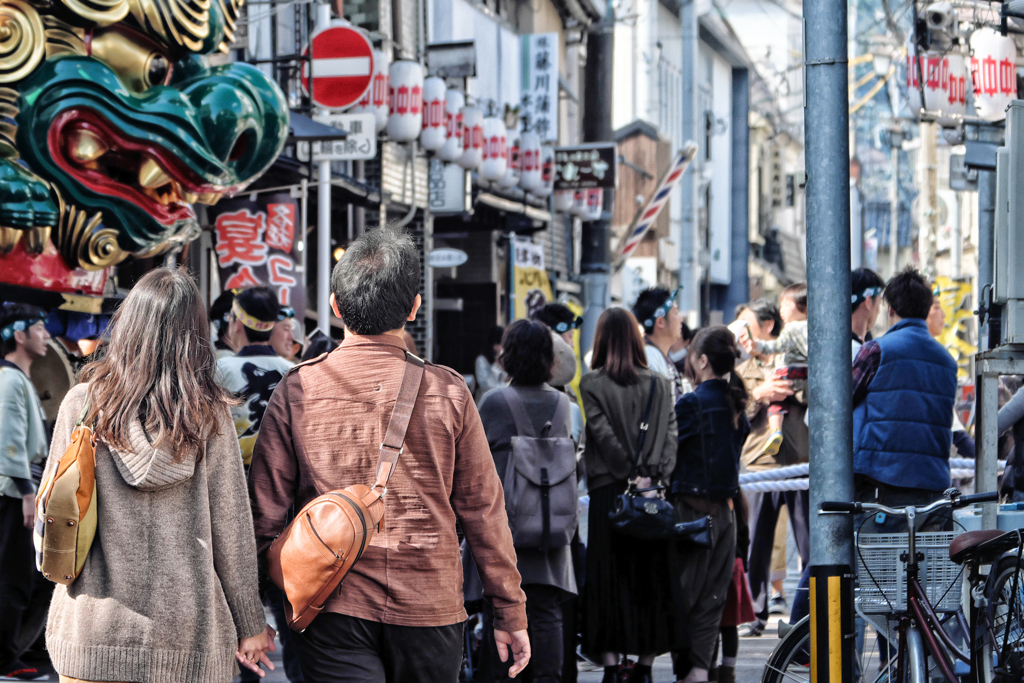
(94, 153)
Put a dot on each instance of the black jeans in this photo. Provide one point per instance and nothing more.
(24, 593)
(336, 648)
(764, 515)
(544, 614)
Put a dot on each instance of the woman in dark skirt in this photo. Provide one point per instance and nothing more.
(627, 600)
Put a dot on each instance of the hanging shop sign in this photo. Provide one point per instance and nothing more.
(993, 73)
(446, 187)
(375, 101)
(586, 166)
(446, 258)
(361, 142)
(532, 288)
(539, 104)
(256, 243)
(342, 66)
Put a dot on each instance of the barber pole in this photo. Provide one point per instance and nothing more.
(646, 217)
(454, 101)
(435, 132)
(375, 101)
(406, 99)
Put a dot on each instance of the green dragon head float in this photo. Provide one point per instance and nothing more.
(113, 124)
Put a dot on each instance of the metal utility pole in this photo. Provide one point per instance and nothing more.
(894, 208)
(323, 242)
(597, 127)
(930, 197)
(827, 154)
(689, 184)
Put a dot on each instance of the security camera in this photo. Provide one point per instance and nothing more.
(940, 16)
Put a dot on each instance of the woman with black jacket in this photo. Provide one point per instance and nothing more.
(712, 427)
(627, 601)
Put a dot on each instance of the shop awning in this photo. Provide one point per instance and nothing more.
(513, 207)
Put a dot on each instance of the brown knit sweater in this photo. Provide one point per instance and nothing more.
(170, 584)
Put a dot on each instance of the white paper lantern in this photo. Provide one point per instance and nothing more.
(454, 101)
(945, 85)
(472, 138)
(375, 101)
(993, 73)
(588, 204)
(579, 203)
(406, 101)
(495, 149)
(435, 132)
(547, 172)
(529, 162)
(511, 178)
(564, 200)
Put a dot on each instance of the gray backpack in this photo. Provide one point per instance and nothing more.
(541, 499)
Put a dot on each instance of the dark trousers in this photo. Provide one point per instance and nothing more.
(24, 593)
(764, 515)
(336, 648)
(274, 599)
(544, 614)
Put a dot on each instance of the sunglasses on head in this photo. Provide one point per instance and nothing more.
(563, 327)
(286, 312)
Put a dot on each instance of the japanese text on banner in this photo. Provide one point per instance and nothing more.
(539, 103)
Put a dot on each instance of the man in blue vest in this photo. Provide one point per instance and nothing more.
(904, 384)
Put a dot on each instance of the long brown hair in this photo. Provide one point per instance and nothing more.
(618, 346)
(719, 345)
(158, 366)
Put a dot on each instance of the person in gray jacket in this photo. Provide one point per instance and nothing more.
(627, 599)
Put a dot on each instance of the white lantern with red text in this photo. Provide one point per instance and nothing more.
(454, 101)
(547, 172)
(529, 162)
(588, 204)
(472, 138)
(495, 157)
(435, 132)
(406, 99)
(375, 101)
(944, 83)
(993, 73)
(511, 178)
(564, 200)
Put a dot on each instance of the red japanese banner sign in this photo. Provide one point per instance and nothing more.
(256, 244)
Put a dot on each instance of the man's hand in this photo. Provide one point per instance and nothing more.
(772, 389)
(520, 643)
(28, 509)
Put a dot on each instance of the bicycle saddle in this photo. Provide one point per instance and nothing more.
(966, 544)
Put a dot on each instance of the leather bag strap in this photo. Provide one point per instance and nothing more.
(644, 424)
(394, 439)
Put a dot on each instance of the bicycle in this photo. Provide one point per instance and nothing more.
(995, 652)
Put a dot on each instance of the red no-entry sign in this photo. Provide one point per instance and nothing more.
(342, 67)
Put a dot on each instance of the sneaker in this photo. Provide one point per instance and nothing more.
(778, 605)
(19, 671)
(773, 444)
(754, 629)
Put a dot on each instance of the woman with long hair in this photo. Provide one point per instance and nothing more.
(627, 605)
(712, 426)
(168, 592)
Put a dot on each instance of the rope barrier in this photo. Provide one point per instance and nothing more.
(777, 486)
(960, 468)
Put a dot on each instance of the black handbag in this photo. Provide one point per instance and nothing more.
(653, 519)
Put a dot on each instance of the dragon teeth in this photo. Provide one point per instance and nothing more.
(86, 146)
(151, 175)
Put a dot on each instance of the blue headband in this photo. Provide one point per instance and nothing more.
(863, 296)
(662, 310)
(286, 312)
(18, 326)
(563, 327)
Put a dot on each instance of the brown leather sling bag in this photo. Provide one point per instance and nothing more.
(330, 533)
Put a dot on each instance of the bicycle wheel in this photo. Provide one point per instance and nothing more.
(790, 662)
(1001, 653)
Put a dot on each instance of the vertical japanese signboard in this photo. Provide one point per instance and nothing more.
(256, 244)
(539, 104)
(532, 288)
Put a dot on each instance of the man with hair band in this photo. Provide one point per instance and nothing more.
(867, 303)
(659, 315)
(23, 448)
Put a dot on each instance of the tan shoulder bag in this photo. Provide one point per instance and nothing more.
(330, 533)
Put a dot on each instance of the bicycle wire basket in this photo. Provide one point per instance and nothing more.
(881, 574)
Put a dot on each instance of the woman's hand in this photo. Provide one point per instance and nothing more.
(645, 483)
(253, 651)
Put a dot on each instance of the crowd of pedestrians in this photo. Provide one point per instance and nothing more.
(208, 447)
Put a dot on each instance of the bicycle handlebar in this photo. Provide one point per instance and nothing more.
(956, 501)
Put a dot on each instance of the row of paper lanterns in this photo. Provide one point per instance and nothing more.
(993, 78)
(410, 107)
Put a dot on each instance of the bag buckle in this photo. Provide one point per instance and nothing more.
(643, 426)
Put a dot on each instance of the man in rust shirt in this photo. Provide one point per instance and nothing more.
(399, 614)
